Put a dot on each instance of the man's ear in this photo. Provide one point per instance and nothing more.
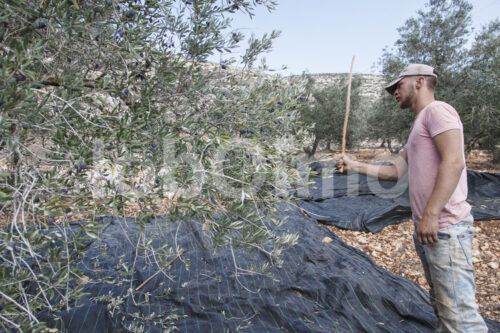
(419, 82)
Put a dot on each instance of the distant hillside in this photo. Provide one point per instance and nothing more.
(372, 86)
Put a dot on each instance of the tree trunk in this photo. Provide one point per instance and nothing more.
(314, 147)
(496, 154)
(391, 149)
(472, 142)
(312, 150)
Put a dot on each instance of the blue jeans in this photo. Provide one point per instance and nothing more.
(450, 274)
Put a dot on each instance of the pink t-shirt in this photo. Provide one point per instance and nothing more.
(424, 160)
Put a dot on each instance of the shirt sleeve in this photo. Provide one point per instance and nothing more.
(442, 118)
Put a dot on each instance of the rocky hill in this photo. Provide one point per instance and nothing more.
(372, 86)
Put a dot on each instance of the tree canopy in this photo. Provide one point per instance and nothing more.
(107, 107)
(439, 36)
(325, 116)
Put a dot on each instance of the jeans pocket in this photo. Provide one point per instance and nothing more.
(465, 241)
(443, 236)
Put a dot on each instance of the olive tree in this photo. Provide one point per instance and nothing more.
(478, 97)
(468, 77)
(325, 116)
(436, 36)
(107, 107)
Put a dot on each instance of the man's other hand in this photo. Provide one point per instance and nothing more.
(427, 230)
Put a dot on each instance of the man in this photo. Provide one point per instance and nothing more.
(434, 160)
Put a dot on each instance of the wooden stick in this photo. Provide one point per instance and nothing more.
(159, 271)
(347, 107)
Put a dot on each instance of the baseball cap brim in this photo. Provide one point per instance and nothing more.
(391, 88)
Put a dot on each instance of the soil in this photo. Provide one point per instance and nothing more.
(393, 249)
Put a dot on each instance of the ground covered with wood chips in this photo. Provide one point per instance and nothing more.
(393, 249)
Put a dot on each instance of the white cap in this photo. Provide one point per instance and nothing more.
(412, 70)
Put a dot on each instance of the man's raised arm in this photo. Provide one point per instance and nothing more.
(392, 172)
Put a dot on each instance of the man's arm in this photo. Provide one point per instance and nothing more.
(383, 172)
(449, 146)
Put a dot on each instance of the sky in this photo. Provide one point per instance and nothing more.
(322, 36)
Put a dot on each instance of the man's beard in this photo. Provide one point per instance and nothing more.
(406, 102)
